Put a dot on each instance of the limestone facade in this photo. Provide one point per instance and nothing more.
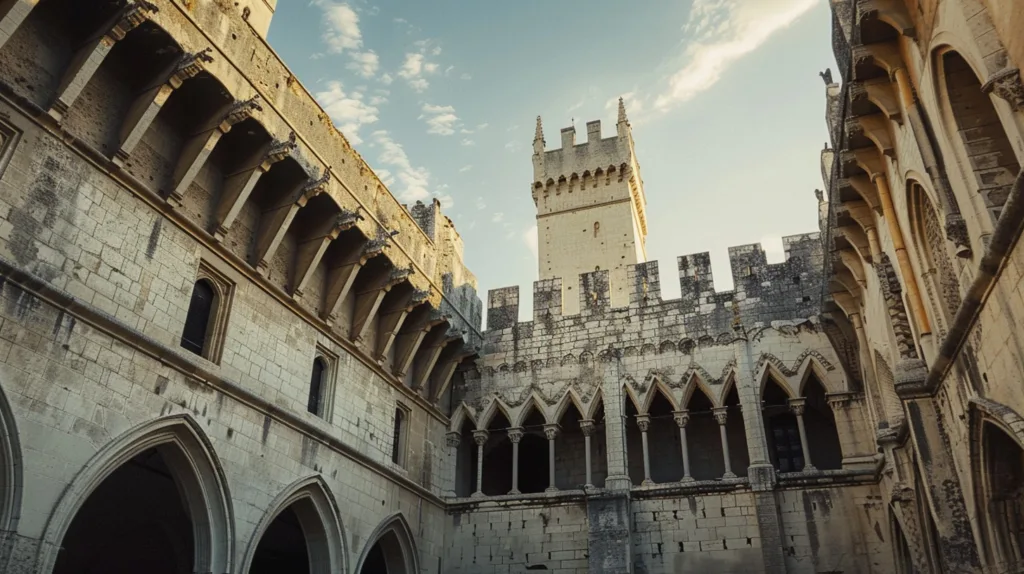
(225, 347)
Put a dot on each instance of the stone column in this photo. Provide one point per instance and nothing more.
(452, 440)
(797, 407)
(682, 418)
(615, 432)
(720, 415)
(644, 422)
(515, 434)
(587, 428)
(480, 438)
(551, 431)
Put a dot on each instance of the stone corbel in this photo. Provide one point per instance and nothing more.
(866, 189)
(408, 343)
(368, 301)
(392, 317)
(88, 58)
(148, 104)
(876, 128)
(885, 55)
(275, 222)
(198, 148)
(430, 351)
(342, 276)
(449, 362)
(310, 251)
(879, 91)
(239, 185)
(891, 12)
(1006, 84)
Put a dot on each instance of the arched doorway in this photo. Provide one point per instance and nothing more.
(10, 477)
(392, 550)
(301, 532)
(154, 500)
(1004, 485)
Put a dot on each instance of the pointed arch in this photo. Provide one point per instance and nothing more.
(496, 406)
(929, 239)
(659, 387)
(699, 385)
(997, 460)
(569, 398)
(596, 403)
(398, 545)
(771, 373)
(533, 402)
(812, 365)
(461, 415)
(11, 470)
(630, 396)
(198, 474)
(313, 504)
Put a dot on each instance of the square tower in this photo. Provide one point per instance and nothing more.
(590, 208)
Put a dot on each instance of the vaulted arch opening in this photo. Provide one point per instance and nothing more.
(1003, 477)
(393, 550)
(190, 110)
(663, 442)
(534, 466)
(497, 469)
(736, 433)
(300, 533)
(465, 461)
(282, 547)
(783, 433)
(10, 469)
(820, 422)
(134, 521)
(36, 56)
(634, 444)
(570, 451)
(940, 277)
(704, 442)
(224, 172)
(134, 65)
(988, 149)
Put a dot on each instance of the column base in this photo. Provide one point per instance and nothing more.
(729, 474)
(477, 494)
(619, 483)
(686, 479)
(647, 482)
(551, 489)
(514, 491)
(809, 468)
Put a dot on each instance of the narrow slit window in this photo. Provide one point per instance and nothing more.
(398, 441)
(197, 322)
(316, 388)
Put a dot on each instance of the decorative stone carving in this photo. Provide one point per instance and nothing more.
(721, 415)
(1006, 84)
(515, 434)
(587, 427)
(452, 439)
(797, 406)
(644, 422)
(551, 431)
(480, 437)
(682, 417)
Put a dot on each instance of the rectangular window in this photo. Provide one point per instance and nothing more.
(398, 441)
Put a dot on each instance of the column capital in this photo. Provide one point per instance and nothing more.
(551, 430)
(480, 436)
(721, 414)
(515, 434)
(453, 438)
(681, 417)
(643, 421)
(797, 405)
(587, 426)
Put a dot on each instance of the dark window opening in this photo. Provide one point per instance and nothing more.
(397, 443)
(197, 322)
(789, 455)
(316, 388)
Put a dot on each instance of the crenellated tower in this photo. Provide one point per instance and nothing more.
(591, 208)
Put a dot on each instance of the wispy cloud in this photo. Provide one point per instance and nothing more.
(481, 204)
(341, 33)
(364, 63)
(348, 111)
(530, 239)
(440, 120)
(465, 168)
(467, 142)
(418, 65)
(413, 181)
(722, 32)
(497, 217)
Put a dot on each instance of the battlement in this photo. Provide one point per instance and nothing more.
(763, 292)
(596, 153)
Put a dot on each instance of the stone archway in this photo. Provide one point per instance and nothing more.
(1003, 502)
(10, 478)
(301, 532)
(153, 500)
(391, 549)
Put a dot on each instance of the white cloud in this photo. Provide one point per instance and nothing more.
(440, 120)
(419, 85)
(341, 27)
(413, 181)
(512, 146)
(497, 217)
(316, 55)
(385, 176)
(348, 111)
(512, 128)
(722, 32)
(412, 67)
(465, 76)
(364, 63)
(386, 79)
(576, 106)
(417, 66)
(465, 168)
(634, 104)
(530, 238)
(447, 201)
(480, 204)
(467, 142)
(448, 70)
(481, 127)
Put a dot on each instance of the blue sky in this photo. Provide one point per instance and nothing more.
(440, 97)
